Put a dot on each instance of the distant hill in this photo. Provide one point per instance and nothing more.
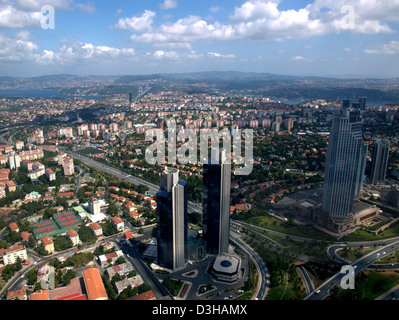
(264, 84)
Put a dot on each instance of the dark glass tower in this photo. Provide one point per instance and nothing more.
(345, 165)
(380, 161)
(216, 205)
(172, 220)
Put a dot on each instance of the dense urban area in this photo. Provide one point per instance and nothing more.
(81, 207)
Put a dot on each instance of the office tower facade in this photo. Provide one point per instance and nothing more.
(345, 165)
(346, 103)
(380, 161)
(216, 204)
(362, 103)
(172, 220)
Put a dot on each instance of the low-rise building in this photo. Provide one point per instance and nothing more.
(74, 236)
(118, 223)
(121, 269)
(11, 255)
(134, 282)
(98, 231)
(42, 295)
(19, 294)
(94, 285)
(48, 244)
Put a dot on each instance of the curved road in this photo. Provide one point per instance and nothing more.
(324, 290)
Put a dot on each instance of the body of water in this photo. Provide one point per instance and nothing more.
(39, 93)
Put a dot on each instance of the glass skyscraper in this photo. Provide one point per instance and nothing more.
(380, 161)
(216, 204)
(172, 220)
(345, 165)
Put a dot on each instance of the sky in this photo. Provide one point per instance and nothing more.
(339, 38)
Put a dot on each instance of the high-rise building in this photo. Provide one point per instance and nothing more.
(289, 124)
(172, 220)
(346, 103)
(362, 103)
(345, 165)
(216, 204)
(67, 165)
(380, 161)
(94, 206)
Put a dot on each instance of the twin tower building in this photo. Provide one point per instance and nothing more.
(172, 234)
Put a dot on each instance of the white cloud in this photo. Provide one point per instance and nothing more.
(298, 58)
(256, 9)
(262, 20)
(35, 5)
(219, 55)
(160, 54)
(389, 48)
(75, 52)
(14, 49)
(136, 23)
(168, 4)
(12, 18)
(215, 9)
(89, 7)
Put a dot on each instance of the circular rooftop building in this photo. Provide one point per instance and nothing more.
(226, 268)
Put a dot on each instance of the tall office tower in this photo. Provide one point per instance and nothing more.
(345, 165)
(380, 161)
(130, 98)
(346, 104)
(216, 204)
(172, 220)
(362, 103)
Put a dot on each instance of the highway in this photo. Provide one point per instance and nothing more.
(324, 290)
(263, 271)
(153, 189)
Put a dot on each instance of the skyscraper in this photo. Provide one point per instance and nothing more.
(172, 220)
(346, 104)
(362, 103)
(345, 165)
(216, 204)
(380, 161)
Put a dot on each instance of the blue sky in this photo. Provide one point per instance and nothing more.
(320, 37)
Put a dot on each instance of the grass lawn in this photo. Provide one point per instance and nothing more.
(376, 283)
(362, 235)
(353, 254)
(285, 291)
(269, 222)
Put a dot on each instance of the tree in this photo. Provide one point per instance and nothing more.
(112, 209)
(86, 235)
(62, 243)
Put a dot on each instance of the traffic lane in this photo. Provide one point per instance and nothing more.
(358, 266)
(122, 175)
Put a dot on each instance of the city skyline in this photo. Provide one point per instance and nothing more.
(164, 36)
